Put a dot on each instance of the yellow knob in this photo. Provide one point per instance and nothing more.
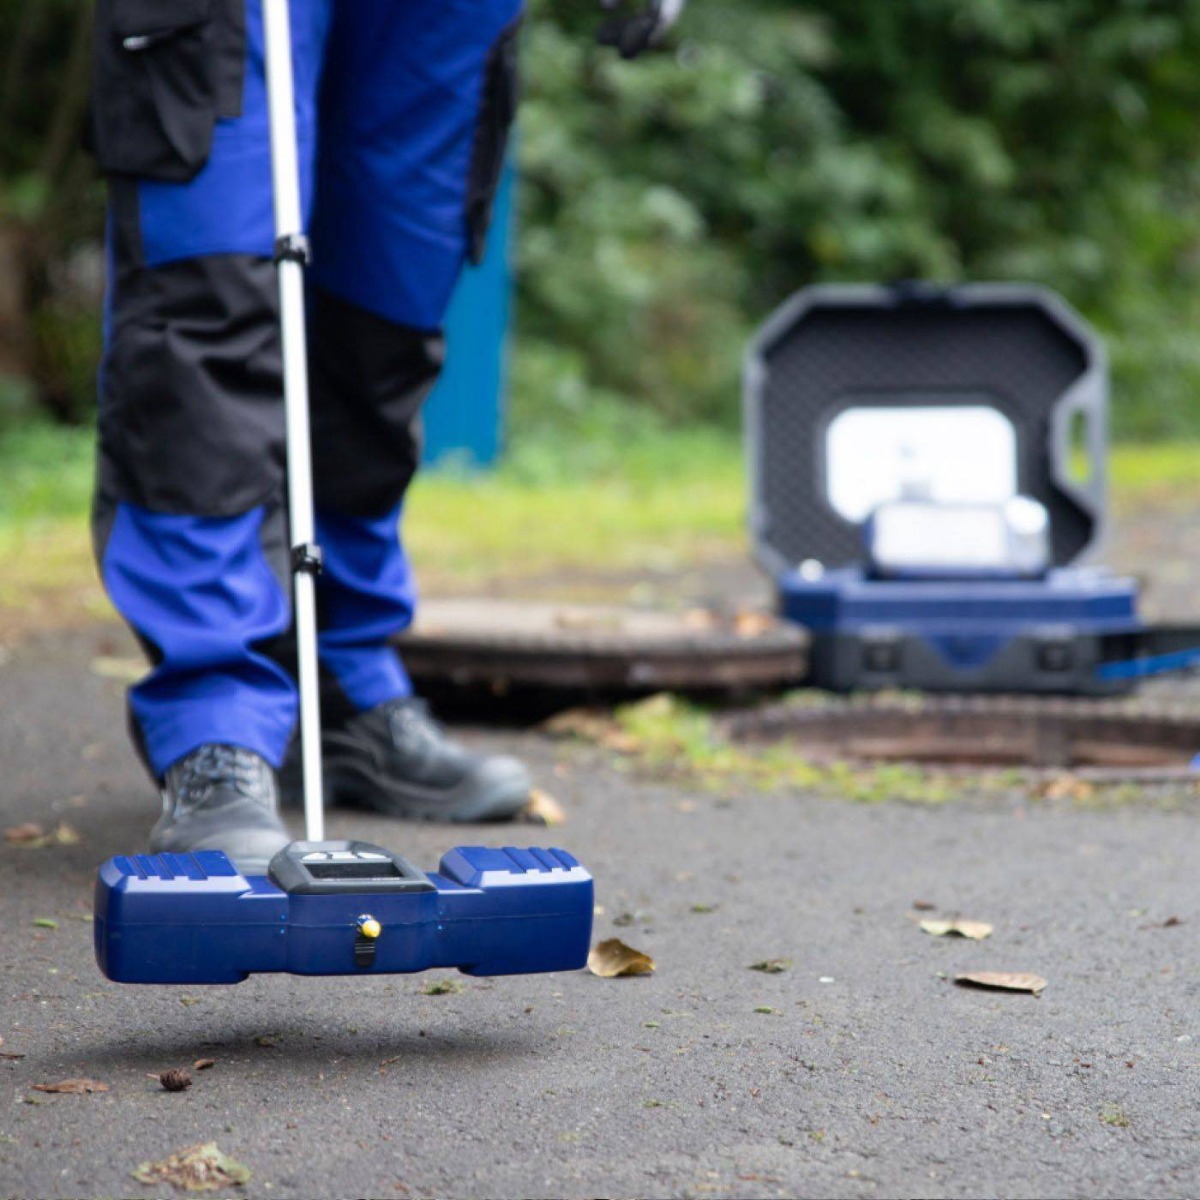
(369, 927)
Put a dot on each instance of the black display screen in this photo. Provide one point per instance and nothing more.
(353, 870)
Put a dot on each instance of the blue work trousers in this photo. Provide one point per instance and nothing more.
(403, 108)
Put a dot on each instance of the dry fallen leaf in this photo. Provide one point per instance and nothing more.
(586, 723)
(1066, 787)
(543, 809)
(612, 958)
(202, 1064)
(924, 905)
(975, 930)
(125, 670)
(199, 1168)
(72, 1087)
(17, 835)
(174, 1080)
(749, 623)
(1003, 981)
(699, 619)
(592, 725)
(32, 836)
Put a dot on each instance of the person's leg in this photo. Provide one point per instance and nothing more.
(416, 104)
(188, 520)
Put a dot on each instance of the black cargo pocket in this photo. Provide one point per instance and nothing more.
(498, 107)
(162, 74)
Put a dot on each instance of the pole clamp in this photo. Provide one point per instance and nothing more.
(292, 247)
(307, 559)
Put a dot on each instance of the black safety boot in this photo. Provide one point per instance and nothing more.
(221, 798)
(396, 759)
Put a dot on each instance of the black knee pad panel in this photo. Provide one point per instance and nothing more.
(191, 419)
(369, 377)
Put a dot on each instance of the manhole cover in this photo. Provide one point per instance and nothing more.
(500, 646)
(1098, 737)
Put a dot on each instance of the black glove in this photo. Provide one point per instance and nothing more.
(634, 32)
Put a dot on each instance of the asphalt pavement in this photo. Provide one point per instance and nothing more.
(861, 1070)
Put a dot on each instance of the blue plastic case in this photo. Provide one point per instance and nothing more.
(962, 635)
(847, 600)
(194, 919)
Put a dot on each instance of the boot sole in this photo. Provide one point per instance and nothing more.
(247, 864)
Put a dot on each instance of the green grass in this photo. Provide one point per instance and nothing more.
(45, 483)
(672, 737)
(45, 474)
(660, 500)
(615, 492)
(1162, 473)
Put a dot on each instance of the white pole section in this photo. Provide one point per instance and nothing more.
(291, 254)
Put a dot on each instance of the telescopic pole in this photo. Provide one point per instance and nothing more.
(291, 257)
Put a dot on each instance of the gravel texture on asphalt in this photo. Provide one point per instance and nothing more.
(860, 1071)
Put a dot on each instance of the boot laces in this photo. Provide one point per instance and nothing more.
(215, 766)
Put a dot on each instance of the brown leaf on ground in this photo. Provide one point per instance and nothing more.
(924, 905)
(586, 723)
(620, 741)
(72, 1087)
(543, 809)
(591, 725)
(751, 623)
(1002, 981)
(174, 1080)
(19, 835)
(975, 930)
(1065, 787)
(612, 958)
(203, 1064)
(124, 670)
(32, 836)
(200, 1168)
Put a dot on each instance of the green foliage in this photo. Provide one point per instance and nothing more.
(671, 203)
(51, 206)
